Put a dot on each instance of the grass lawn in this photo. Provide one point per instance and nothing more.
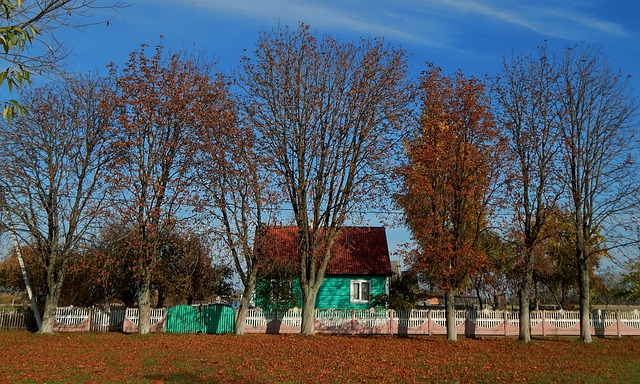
(176, 358)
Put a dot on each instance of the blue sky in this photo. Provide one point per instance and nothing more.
(471, 35)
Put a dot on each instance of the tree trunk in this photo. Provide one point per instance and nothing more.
(536, 297)
(308, 311)
(161, 299)
(450, 314)
(585, 305)
(144, 304)
(524, 333)
(23, 269)
(51, 303)
(479, 296)
(241, 316)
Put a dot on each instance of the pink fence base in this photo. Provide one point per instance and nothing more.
(130, 327)
(470, 324)
(430, 328)
(623, 330)
(83, 326)
(370, 322)
(504, 329)
(157, 320)
(275, 326)
(72, 319)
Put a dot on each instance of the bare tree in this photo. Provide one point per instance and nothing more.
(527, 112)
(163, 105)
(237, 200)
(327, 112)
(52, 175)
(598, 139)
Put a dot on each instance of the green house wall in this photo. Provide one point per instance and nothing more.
(335, 292)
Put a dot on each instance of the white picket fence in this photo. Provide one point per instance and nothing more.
(373, 321)
(157, 315)
(109, 319)
(70, 316)
(433, 322)
(257, 318)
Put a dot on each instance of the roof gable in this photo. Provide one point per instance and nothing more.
(356, 251)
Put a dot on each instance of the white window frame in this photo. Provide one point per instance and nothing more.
(356, 296)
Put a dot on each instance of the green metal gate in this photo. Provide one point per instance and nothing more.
(215, 318)
(218, 319)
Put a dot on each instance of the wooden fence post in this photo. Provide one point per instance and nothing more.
(467, 323)
(505, 320)
(90, 319)
(353, 321)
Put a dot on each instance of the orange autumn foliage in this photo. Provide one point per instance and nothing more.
(448, 178)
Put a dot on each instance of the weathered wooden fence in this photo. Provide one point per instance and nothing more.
(17, 319)
(78, 319)
(213, 318)
(220, 319)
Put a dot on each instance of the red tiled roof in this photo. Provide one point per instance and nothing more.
(356, 251)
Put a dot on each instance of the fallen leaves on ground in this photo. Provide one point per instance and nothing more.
(197, 358)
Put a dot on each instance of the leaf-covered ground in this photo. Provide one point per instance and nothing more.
(173, 358)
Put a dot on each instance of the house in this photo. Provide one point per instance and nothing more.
(359, 268)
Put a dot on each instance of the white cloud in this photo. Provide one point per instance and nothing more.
(554, 19)
(360, 17)
(435, 23)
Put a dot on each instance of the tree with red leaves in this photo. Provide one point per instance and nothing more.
(163, 104)
(448, 182)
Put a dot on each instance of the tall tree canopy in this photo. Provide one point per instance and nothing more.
(451, 162)
(163, 104)
(185, 272)
(53, 175)
(328, 113)
(529, 117)
(238, 201)
(599, 151)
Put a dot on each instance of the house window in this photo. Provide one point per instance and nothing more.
(360, 291)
